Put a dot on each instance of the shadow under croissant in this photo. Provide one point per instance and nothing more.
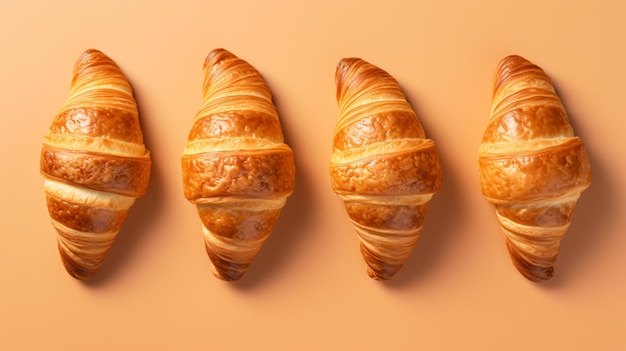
(293, 220)
(437, 233)
(588, 229)
(286, 235)
(135, 229)
(140, 219)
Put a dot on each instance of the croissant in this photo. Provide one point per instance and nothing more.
(236, 168)
(532, 167)
(382, 165)
(94, 163)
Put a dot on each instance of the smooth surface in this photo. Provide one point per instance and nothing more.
(308, 288)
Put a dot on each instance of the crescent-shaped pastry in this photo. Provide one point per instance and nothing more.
(532, 166)
(382, 166)
(236, 167)
(94, 163)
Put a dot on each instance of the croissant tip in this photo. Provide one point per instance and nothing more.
(92, 51)
(529, 270)
(533, 272)
(229, 272)
(217, 55)
(510, 62)
(229, 276)
(90, 57)
(346, 61)
(83, 275)
(218, 51)
(377, 268)
(225, 270)
(538, 274)
(345, 65)
(380, 276)
(77, 271)
(91, 54)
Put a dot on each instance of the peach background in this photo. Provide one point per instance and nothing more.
(307, 288)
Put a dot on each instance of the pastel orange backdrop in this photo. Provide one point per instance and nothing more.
(307, 289)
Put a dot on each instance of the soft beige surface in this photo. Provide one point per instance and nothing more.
(307, 288)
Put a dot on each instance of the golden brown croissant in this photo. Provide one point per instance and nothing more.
(532, 167)
(382, 165)
(94, 163)
(236, 167)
